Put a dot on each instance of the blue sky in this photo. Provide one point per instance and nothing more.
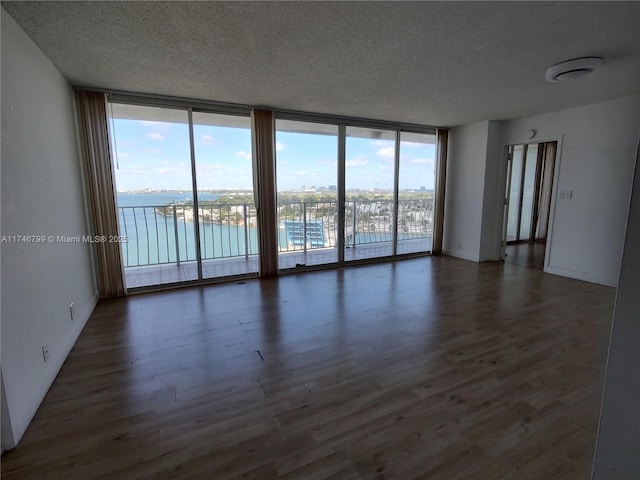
(156, 155)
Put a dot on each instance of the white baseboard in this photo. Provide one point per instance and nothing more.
(585, 277)
(461, 254)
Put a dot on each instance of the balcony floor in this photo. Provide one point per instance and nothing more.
(171, 273)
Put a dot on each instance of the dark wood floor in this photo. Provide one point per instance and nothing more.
(431, 368)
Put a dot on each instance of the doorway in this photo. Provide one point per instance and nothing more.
(530, 171)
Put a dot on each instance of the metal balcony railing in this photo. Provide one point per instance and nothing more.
(164, 234)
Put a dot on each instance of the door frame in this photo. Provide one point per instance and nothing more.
(554, 189)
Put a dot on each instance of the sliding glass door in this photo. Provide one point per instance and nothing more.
(389, 192)
(185, 180)
(307, 195)
(226, 209)
(416, 187)
(384, 179)
(184, 193)
(369, 220)
(154, 194)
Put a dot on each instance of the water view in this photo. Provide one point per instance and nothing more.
(160, 225)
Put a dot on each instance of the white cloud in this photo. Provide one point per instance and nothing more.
(157, 126)
(136, 169)
(420, 161)
(238, 172)
(388, 152)
(301, 173)
(414, 144)
(206, 138)
(326, 162)
(279, 147)
(155, 136)
(152, 150)
(243, 154)
(356, 163)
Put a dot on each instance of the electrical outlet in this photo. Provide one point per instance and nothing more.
(71, 310)
(45, 352)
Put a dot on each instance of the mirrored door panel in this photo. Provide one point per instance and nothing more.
(515, 184)
(529, 184)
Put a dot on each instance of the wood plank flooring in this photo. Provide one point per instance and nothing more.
(429, 368)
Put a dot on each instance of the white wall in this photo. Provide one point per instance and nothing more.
(618, 445)
(42, 194)
(464, 191)
(472, 208)
(596, 163)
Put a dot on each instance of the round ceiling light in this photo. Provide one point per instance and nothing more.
(573, 69)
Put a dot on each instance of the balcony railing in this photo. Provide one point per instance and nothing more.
(164, 234)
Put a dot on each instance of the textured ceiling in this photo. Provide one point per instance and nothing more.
(432, 63)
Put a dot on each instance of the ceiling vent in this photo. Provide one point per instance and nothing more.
(573, 69)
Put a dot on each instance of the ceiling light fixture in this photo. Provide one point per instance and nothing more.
(573, 69)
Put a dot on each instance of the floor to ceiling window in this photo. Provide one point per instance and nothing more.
(369, 193)
(224, 178)
(162, 156)
(307, 196)
(416, 188)
(384, 179)
(154, 193)
(345, 191)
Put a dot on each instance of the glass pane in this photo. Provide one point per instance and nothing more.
(369, 175)
(227, 214)
(306, 176)
(154, 194)
(528, 191)
(514, 193)
(416, 182)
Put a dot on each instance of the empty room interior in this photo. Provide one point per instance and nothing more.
(309, 240)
